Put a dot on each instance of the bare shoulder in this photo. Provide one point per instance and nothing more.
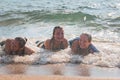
(47, 44)
(8, 46)
(9, 40)
(47, 41)
(8, 43)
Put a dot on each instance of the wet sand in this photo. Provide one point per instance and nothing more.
(59, 71)
(39, 77)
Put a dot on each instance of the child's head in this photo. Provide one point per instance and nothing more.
(85, 40)
(21, 41)
(58, 33)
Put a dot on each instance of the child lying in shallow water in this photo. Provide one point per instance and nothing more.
(82, 45)
(57, 42)
(16, 47)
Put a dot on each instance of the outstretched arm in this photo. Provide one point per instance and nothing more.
(93, 48)
(28, 50)
(47, 44)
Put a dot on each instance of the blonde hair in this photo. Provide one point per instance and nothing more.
(88, 35)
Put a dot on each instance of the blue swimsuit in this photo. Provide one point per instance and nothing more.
(91, 47)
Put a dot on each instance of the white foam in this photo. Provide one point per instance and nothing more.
(106, 58)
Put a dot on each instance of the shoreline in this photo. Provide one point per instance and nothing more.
(51, 77)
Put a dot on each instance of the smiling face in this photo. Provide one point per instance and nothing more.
(84, 41)
(58, 34)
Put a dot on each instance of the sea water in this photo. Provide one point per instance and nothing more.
(35, 20)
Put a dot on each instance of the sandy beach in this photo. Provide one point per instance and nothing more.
(37, 77)
(53, 72)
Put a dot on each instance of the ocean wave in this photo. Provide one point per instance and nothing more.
(101, 60)
(106, 58)
(43, 16)
(13, 22)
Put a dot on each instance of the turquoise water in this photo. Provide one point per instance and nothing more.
(97, 17)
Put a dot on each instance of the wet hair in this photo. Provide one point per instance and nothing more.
(22, 41)
(88, 35)
(57, 27)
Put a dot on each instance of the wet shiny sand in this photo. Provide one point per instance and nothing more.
(60, 69)
(39, 77)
